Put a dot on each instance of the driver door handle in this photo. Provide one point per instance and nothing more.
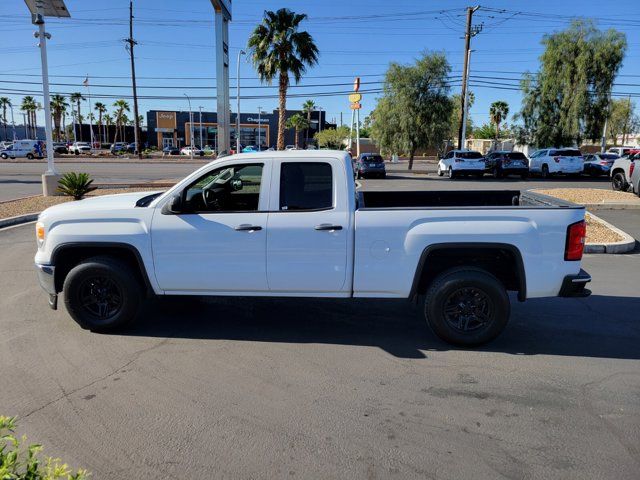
(328, 227)
(248, 228)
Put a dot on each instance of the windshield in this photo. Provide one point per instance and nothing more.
(469, 155)
(515, 156)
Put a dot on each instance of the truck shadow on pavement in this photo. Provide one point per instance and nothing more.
(598, 326)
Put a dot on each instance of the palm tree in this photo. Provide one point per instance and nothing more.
(108, 121)
(297, 122)
(28, 106)
(77, 98)
(101, 108)
(58, 103)
(64, 123)
(4, 104)
(279, 49)
(121, 107)
(308, 107)
(498, 112)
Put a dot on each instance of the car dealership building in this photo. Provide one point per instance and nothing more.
(171, 128)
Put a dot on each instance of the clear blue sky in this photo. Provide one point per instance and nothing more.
(355, 37)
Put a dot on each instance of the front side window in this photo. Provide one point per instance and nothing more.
(234, 188)
(306, 186)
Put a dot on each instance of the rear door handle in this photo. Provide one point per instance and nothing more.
(248, 228)
(328, 227)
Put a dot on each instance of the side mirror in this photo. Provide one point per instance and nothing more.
(173, 206)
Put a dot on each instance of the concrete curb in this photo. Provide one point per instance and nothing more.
(627, 244)
(11, 221)
(612, 206)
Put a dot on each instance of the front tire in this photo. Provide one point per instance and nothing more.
(440, 172)
(619, 182)
(466, 306)
(451, 174)
(102, 294)
(4, 156)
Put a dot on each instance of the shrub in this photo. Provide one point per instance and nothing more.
(75, 185)
(20, 462)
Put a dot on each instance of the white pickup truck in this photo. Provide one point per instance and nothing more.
(291, 224)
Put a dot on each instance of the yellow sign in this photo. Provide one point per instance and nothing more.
(355, 106)
(355, 97)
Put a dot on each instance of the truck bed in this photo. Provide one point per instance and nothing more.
(453, 198)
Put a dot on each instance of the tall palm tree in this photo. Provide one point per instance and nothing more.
(498, 112)
(28, 106)
(121, 107)
(279, 48)
(58, 103)
(308, 107)
(101, 108)
(108, 121)
(64, 123)
(297, 122)
(5, 103)
(77, 98)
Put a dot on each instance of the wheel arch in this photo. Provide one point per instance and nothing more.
(67, 255)
(494, 257)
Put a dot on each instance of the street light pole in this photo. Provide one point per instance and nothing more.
(319, 119)
(13, 122)
(42, 37)
(241, 52)
(201, 142)
(190, 128)
(259, 129)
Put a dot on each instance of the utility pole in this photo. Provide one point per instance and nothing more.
(259, 128)
(603, 141)
(131, 42)
(200, 127)
(470, 32)
(626, 121)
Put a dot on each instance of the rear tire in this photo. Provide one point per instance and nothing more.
(466, 306)
(496, 173)
(102, 294)
(29, 156)
(545, 171)
(619, 182)
(4, 156)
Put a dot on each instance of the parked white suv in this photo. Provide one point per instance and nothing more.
(625, 173)
(80, 147)
(549, 161)
(458, 163)
(620, 151)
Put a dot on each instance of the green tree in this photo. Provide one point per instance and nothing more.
(567, 99)
(121, 118)
(497, 113)
(77, 98)
(297, 122)
(58, 104)
(415, 109)
(5, 103)
(332, 138)
(279, 48)
(484, 131)
(622, 120)
(307, 108)
(101, 108)
(29, 106)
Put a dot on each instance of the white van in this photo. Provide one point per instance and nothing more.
(25, 149)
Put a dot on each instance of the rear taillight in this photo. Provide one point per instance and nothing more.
(632, 165)
(458, 160)
(576, 233)
(556, 159)
(604, 162)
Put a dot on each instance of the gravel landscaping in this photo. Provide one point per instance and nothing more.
(584, 196)
(599, 233)
(38, 203)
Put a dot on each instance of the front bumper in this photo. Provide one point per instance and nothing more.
(573, 285)
(46, 277)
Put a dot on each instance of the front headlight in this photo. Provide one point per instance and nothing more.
(40, 233)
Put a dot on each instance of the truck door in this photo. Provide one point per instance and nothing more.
(308, 228)
(218, 244)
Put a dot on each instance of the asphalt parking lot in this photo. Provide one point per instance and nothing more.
(270, 388)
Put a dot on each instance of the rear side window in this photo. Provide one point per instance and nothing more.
(306, 186)
(569, 153)
(470, 155)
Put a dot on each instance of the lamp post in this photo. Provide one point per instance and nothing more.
(13, 122)
(39, 10)
(259, 129)
(241, 52)
(200, 119)
(190, 128)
